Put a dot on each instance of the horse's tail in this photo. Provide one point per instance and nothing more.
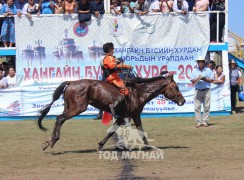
(43, 112)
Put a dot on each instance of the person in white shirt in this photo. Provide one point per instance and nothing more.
(154, 6)
(11, 78)
(180, 6)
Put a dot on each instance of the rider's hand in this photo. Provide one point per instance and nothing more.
(128, 66)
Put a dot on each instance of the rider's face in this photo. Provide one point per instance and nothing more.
(111, 52)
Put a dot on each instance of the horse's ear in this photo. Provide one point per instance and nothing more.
(163, 73)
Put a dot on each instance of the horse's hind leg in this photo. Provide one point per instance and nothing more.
(73, 110)
(114, 128)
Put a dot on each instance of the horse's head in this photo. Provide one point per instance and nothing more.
(171, 91)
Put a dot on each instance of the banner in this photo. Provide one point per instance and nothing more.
(53, 49)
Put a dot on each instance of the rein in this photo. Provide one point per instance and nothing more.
(153, 91)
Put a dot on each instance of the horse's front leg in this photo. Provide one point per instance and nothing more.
(113, 129)
(138, 124)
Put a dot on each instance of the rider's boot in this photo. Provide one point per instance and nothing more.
(119, 100)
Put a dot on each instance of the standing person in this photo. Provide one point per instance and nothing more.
(69, 6)
(30, 8)
(84, 13)
(59, 7)
(200, 5)
(46, 6)
(219, 76)
(218, 5)
(8, 28)
(11, 78)
(235, 82)
(166, 6)
(180, 6)
(112, 69)
(97, 7)
(3, 80)
(201, 77)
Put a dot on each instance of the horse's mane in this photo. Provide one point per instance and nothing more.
(139, 80)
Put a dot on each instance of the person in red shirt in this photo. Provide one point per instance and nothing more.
(113, 68)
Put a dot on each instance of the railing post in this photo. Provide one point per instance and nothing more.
(217, 31)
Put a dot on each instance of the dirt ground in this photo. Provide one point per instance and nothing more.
(215, 152)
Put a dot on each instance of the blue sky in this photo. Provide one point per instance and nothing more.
(236, 17)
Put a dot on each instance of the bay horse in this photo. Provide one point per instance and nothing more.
(79, 94)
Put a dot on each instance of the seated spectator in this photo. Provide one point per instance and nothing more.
(69, 6)
(154, 6)
(124, 8)
(115, 8)
(84, 13)
(180, 6)
(11, 78)
(8, 31)
(190, 4)
(59, 7)
(217, 6)
(5, 69)
(97, 7)
(166, 6)
(46, 6)
(142, 7)
(3, 80)
(20, 5)
(201, 5)
(219, 76)
(30, 8)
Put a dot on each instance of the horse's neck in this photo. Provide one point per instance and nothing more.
(150, 90)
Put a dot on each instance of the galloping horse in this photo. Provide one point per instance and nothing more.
(79, 94)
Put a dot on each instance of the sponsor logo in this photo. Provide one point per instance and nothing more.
(80, 29)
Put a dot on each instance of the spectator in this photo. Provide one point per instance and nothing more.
(218, 5)
(201, 5)
(235, 82)
(132, 6)
(7, 32)
(142, 7)
(69, 6)
(166, 6)
(1, 6)
(20, 5)
(202, 76)
(125, 6)
(11, 78)
(84, 13)
(3, 80)
(97, 7)
(180, 6)
(30, 8)
(211, 65)
(219, 76)
(154, 6)
(115, 8)
(59, 9)
(5, 69)
(46, 6)
(191, 4)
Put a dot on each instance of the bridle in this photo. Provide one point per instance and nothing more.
(171, 87)
(176, 94)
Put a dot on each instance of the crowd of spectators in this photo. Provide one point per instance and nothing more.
(85, 8)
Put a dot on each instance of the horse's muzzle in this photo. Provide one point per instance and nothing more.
(181, 102)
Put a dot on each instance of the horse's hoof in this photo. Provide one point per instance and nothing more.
(148, 148)
(45, 146)
(100, 146)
